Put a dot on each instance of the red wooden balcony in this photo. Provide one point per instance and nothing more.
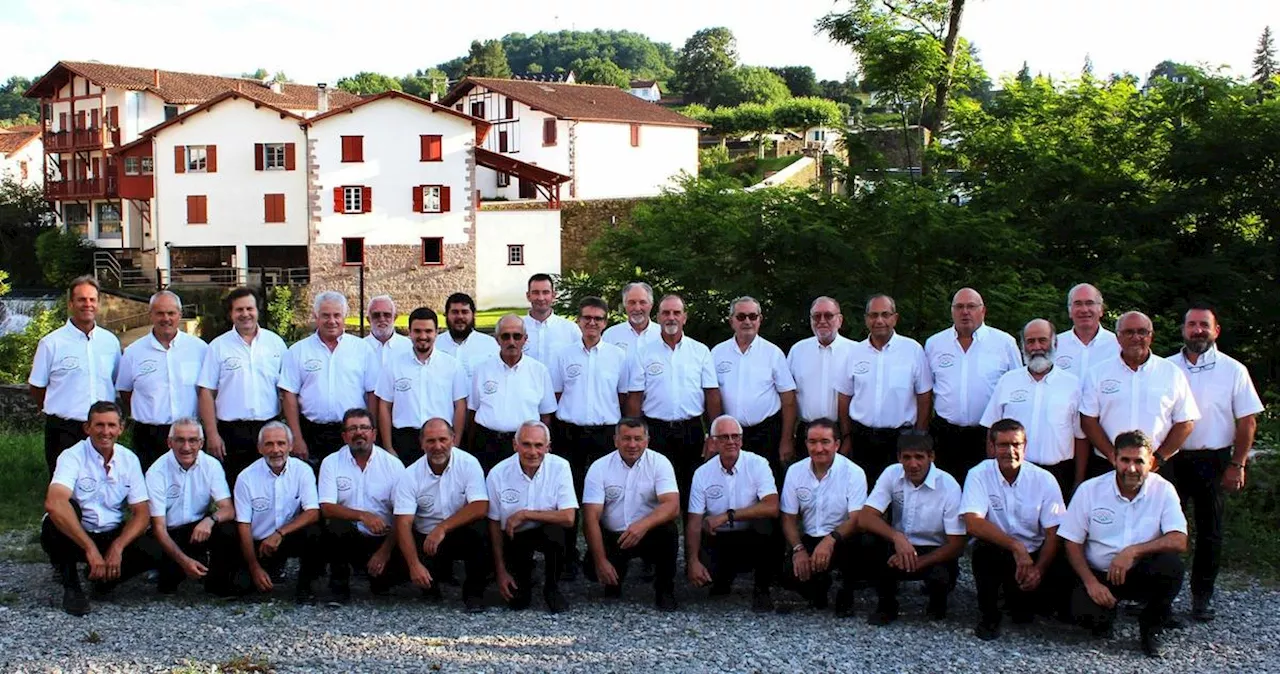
(86, 187)
(78, 139)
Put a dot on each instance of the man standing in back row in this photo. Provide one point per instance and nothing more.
(467, 345)
(638, 331)
(545, 332)
(419, 384)
(816, 363)
(505, 392)
(1087, 343)
(382, 336)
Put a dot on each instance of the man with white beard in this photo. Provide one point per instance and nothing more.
(382, 329)
(1046, 400)
(638, 331)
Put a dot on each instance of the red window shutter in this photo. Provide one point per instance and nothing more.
(80, 120)
(511, 109)
(424, 143)
(280, 215)
(62, 121)
(93, 118)
(113, 117)
(635, 135)
(179, 159)
(290, 157)
(268, 208)
(549, 132)
(367, 200)
(417, 198)
(211, 151)
(357, 148)
(337, 200)
(444, 199)
(431, 148)
(197, 210)
(259, 160)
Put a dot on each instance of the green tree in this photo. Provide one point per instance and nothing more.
(552, 52)
(1024, 75)
(423, 83)
(808, 112)
(748, 84)
(487, 59)
(1264, 59)
(24, 215)
(63, 256)
(453, 68)
(800, 80)
(706, 55)
(263, 73)
(366, 83)
(596, 70)
(12, 102)
(845, 91)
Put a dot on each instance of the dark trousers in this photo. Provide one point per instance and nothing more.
(322, 440)
(681, 442)
(150, 442)
(347, 548)
(846, 558)
(993, 571)
(763, 439)
(938, 579)
(1097, 466)
(65, 554)
(580, 446)
(728, 553)
(874, 449)
(469, 544)
(1065, 473)
(218, 553)
(305, 545)
(1155, 580)
(658, 547)
(517, 556)
(407, 444)
(957, 448)
(490, 446)
(240, 440)
(1197, 475)
(59, 434)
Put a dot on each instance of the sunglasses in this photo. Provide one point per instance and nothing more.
(511, 336)
(822, 316)
(747, 317)
(381, 314)
(591, 319)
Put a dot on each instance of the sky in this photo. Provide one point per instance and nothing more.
(322, 40)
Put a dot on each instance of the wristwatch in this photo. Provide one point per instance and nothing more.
(730, 513)
(835, 536)
(798, 547)
(1238, 464)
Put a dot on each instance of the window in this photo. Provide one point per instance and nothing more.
(510, 109)
(504, 179)
(353, 200)
(131, 166)
(273, 156)
(353, 148)
(76, 217)
(353, 252)
(23, 171)
(197, 159)
(432, 251)
(273, 208)
(548, 132)
(432, 148)
(477, 109)
(170, 111)
(197, 209)
(109, 221)
(635, 135)
(148, 166)
(431, 199)
(504, 144)
(515, 254)
(458, 107)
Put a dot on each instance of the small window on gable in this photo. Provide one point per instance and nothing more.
(132, 166)
(515, 254)
(504, 179)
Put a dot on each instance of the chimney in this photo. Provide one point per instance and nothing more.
(155, 77)
(433, 96)
(277, 87)
(322, 97)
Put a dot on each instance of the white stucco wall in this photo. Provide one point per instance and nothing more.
(31, 154)
(607, 166)
(499, 284)
(528, 148)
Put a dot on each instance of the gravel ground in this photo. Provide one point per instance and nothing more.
(139, 631)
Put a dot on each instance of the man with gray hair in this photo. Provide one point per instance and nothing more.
(1136, 391)
(1046, 400)
(382, 336)
(638, 331)
(505, 392)
(756, 387)
(323, 376)
(157, 378)
(1087, 343)
(182, 487)
(816, 362)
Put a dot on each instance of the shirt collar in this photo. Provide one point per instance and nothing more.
(930, 478)
(1210, 356)
(729, 471)
(91, 454)
(92, 333)
(1115, 488)
(155, 343)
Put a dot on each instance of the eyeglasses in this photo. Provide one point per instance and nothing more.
(360, 428)
(511, 336)
(1135, 332)
(591, 319)
(380, 314)
(971, 306)
(1201, 368)
(747, 317)
(186, 441)
(822, 316)
(731, 437)
(881, 314)
(1086, 304)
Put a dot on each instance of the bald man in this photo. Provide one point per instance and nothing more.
(1087, 343)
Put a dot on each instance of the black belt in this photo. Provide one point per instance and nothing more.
(589, 427)
(672, 424)
(948, 423)
(501, 435)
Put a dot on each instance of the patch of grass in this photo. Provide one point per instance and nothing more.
(1251, 528)
(246, 664)
(9, 598)
(749, 170)
(23, 479)
(92, 637)
(485, 320)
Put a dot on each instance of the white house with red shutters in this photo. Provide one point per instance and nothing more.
(22, 155)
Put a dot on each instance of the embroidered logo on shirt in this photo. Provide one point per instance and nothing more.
(1110, 386)
(147, 367)
(1019, 396)
(403, 384)
(1103, 515)
(724, 366)
(715, 491)
(510, 496)
(946, 360)
(232, 363)
(490, 386)
(612, 492)
(861, 367)
(655, 368)
(804, 494)
(344, 484)
(261, 504)
(1064, 362)
(997, 503)
(87, 484)
(573, 371)
(69, 363)
(312, 365)
(173, 492)
(426, 501)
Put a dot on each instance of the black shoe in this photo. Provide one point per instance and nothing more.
(646, 571)
(1152, 643)
(1173, 622)
(819, 601)
(304, 595)
(613, 591)
(666, 602)
(987, 630)
(937, 608)
(1023, 618)
(844, 603)
(1202, 609)
(556, 602)
(102, 589)
(74, 602)
(340, 595)
(882, 616)
(1103, 630)
(167, 586)
(720, 590)
(473, 604)
(520, 601)
(762, 602)
(569, 573)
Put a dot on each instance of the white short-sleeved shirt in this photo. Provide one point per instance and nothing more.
(421, 390)
(626, 338)
(77, 370)
(1105, 522)
(927, 514)
(372, 490)
(589, 381)
(544, 338)
(504, 397)
(883, 383)
(1078, 358)
(815, 369)
(823, 505)
(963, 380)
(751, 380)
(162, 381)
(1151, 399)
(244, 375)
(1049, 409)
(100, 491)
(266, 501)
(431, 498)
(473, 350)
(328, 383)
(183, 495)
(510, 490)
(673, 379)
(1224, 392)
(383, 350)
(715, 490)
(628, 493)
(1024, 510)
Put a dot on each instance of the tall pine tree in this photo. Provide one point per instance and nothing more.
(1264, 59)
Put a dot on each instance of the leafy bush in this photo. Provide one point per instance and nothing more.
(18, 349)
(63, 256)
(284, 304)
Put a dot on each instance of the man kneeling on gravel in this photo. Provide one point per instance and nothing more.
(1125, 533)
(278, 513)
(85, 511)
(184, 485)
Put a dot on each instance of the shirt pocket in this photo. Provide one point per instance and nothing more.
(1157, 404)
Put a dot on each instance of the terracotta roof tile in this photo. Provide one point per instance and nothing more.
(12, 141)
(585, 102)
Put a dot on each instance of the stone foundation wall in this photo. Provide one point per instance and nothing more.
(394, 270)
(17, 410)
(582, 221)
